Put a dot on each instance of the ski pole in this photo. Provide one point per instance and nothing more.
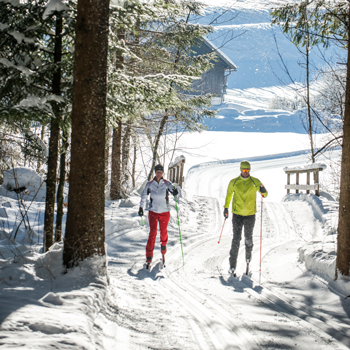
(142, 222)
(261, 237)
(222, 230)
(178, 222)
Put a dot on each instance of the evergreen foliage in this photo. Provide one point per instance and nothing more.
(27, 65)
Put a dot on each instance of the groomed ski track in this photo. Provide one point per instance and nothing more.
(198, 305)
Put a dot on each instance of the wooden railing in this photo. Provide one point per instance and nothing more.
(176, 170)
(308, 187)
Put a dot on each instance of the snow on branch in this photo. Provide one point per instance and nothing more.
(21, 68)
(54, 5)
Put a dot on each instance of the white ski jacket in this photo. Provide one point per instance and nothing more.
(159, 195)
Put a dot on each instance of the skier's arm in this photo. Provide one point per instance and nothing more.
(262, 190)
(229, 194)
(144, 195)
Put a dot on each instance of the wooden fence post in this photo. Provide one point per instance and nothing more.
(297, 182)
(308, 187)
(176, 171)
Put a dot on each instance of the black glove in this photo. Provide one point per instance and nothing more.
(262, 189)
(226, 213)
(175, 192)
(141, 211)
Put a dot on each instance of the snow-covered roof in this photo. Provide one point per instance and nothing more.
(225, 58)
(306, 168)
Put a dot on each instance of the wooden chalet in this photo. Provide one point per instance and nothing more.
(213, 81)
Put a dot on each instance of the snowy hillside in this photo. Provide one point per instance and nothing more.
(245, 35)
(268, 65)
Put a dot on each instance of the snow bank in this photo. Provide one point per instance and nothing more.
(320, 255)
(41, 308)
(20, 177)
(23, 182)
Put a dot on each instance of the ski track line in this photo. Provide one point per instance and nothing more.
(208, 322)
(212, 317)
(230, 330)
(313, 321)
(223, 331)
(314, 317)
(286, 308)
(231, 336)
(317, 323)
(249, 291)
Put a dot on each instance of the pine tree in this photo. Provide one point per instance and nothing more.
(155, 66)
(36, 75)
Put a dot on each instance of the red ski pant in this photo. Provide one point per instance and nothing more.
(154, 218)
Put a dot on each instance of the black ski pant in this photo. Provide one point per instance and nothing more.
(238, 222)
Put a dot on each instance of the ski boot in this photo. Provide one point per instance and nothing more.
(148, 263)
(247, 272)
(232, 272)
(163, 260)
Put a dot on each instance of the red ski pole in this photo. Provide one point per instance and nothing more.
(261, 237)
(222, 230)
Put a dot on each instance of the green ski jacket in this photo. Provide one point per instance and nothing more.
(244, 198)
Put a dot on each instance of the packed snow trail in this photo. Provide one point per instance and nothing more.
(198, 305)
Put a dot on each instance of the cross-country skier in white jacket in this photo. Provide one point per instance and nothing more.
(159, 210)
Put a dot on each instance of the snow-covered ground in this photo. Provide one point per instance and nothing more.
(195, 305)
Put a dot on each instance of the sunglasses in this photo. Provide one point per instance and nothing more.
(245, 170)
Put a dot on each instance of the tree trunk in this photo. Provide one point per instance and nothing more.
(53, 144)
(308, 92)
(116, 187)
(42, 139)
(58, 230)
(107, 149)
(125, 156)
(116, 162)
(134, 164)
(156, 143)
(343, 251)
(85, 230)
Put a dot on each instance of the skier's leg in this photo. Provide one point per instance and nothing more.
(153, 223)
(163, 225)
(249, 222)
(237, 224)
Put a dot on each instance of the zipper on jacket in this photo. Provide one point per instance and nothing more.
(244, 193)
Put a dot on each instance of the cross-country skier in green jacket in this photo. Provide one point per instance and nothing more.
(243, 188)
